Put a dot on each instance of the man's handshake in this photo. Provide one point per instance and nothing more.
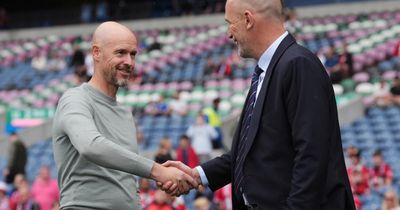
(175, 178)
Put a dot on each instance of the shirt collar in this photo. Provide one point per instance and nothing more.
(266, 57)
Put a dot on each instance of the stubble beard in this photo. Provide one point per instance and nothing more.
(112, 78)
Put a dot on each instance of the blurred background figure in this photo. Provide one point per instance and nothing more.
(45, 189)
(178, 106)
(201, 135)
(77, 62)
(381, 172)
(17, 158)
(292, 24)
(25, 200)
(185, 152)
(358, 174)
(55, 62)
(202, 203)
(213, 118)
(39, 62)
(162, 201)
(164, 151)
(390, 201)
(4, 203)
(146, 192)
(19, 183)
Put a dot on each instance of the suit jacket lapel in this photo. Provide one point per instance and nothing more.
(254, 124)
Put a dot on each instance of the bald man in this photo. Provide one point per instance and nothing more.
(94, 137)
(287, 151)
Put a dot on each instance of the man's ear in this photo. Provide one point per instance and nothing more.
(96, 52)
(249, 18)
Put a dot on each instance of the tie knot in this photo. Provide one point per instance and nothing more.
(257, 71)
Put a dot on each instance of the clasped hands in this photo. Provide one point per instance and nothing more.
(175, 178)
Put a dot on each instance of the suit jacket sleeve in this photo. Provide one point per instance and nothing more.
(218, 171)
(308, 110)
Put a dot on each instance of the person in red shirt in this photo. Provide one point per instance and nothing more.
(45, 189)
(358, 174)
(381, 173)
(161, 201)
(396, 50)
(185, 152)
(146, 192)
(223, 197)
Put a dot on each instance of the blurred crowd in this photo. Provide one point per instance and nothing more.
(364, 180)
(42, 194)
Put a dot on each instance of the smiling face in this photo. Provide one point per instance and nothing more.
(237, 28)
(114, 50)
(118, 60)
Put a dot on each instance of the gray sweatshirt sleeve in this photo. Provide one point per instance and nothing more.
(77, 122)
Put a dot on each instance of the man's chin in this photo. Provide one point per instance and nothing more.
(122, 83)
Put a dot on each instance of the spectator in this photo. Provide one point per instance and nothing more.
(78, 57)
(55, 62)
(158, 108)
(56, 206)
(350, 151)
(3, 197)
(164, 151)
(357, 202)
(185, 153)
(39, 62)
(223, 198)
(45, 189)
(214, 119)
(19, 182)
(332, 65)
(209, 68)
(162, 201)
(223, 68)
(177, 106)
(381, 95)
(25, 201)
(89, 65)
(78, 63)
(202, 134)
(292, 24)
(358, 174)
(396, 49)
(154, 46)
(202, 203)
(390, 202)
(381, 172)
(146, 192)
(395, 92)
(346, 62)
(16, 159)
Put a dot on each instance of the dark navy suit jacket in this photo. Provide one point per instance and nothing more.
(294, 157)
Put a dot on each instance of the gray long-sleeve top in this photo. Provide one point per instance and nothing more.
(95, 150)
